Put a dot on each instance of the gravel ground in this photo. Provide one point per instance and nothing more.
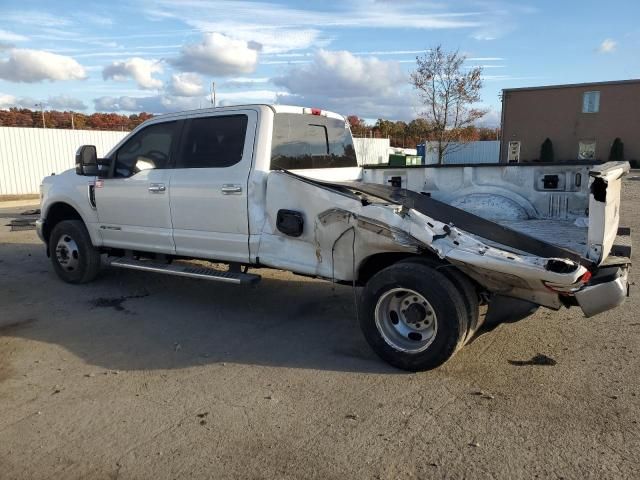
(148, 376)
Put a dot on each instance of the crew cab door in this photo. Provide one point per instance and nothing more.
(209, 186)
(133, 203)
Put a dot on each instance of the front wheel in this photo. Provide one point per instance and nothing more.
(73, 256)
(413, 316)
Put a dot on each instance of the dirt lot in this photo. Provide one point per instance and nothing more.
(148, 376)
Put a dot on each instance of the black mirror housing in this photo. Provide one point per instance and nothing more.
(87, 160)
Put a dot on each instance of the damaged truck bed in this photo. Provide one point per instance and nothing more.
(503, 260)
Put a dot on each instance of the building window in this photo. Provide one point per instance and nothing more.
(591, 102)
(587, 150)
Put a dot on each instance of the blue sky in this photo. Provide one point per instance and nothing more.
(351, 56)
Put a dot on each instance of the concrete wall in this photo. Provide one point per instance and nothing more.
(29, 154)
(532, 115)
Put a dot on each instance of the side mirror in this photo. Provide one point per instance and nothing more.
(87, 161)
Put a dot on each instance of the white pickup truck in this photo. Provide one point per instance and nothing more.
(272, 186)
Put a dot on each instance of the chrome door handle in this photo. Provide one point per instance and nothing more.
(157, 187)
(229, 189)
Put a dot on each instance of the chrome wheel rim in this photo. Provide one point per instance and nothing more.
(68, 253)
(406, 320)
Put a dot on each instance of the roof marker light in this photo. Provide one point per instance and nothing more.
(313, 111)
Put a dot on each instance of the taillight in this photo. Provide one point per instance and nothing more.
(569, 289)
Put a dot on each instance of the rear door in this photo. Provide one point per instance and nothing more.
(133, 204)
(209, 186)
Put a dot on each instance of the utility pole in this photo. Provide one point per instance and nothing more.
(72, 125)
(41, 105)
(213, 94)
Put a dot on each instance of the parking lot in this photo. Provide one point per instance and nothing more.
(148, 376)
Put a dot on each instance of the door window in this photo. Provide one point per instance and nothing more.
(213, 142)
(148, 149)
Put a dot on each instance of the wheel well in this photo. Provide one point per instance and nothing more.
(56, 214)
(373, 264)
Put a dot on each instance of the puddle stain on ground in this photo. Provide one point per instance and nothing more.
(20, 224)
(12, 327)
(539, 359)
(115, 302)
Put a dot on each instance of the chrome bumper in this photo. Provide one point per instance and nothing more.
(598, 298)
(40, 228)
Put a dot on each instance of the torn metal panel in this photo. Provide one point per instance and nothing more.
(323, 249)
(604, 208)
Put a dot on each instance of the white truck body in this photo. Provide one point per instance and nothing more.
(348, 229)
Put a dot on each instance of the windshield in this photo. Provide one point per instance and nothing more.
(311, 141)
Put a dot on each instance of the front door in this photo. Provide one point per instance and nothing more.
(209, 186)
(133, 204)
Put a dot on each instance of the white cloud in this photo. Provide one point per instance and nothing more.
(280, 28)
(35, 17)
(66, 102)
(26, 65)
(342, 82)
(60, 102)
(490, 120)
(361, 13)
(243, 82)
(218, 55)
(7, 36)
(608, 45)
(139, 69)
(170, 103)
(342, 73)
(186, 85)
(9, 101)
(151, 104)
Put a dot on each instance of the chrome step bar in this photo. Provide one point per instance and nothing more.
(187, 270)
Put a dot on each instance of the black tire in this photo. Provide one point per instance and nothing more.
(464, 285)
(74, 258)
(443, 299)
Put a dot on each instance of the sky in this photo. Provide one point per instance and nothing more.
(350, 56)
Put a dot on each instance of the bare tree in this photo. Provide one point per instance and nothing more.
(448, 91)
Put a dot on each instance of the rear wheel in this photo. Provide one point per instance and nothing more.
(413, 316)
(464, 286)
(74, 258)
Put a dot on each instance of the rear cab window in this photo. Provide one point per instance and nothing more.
(302, 141)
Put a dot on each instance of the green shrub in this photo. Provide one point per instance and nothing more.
(546, 151)
(617, 150)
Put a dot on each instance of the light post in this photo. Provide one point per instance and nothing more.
(41, 105)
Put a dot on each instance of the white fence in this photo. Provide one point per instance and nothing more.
(472, 152)
(372, 150)
(29, 154)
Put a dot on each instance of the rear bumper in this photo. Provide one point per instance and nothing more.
(604, 294)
